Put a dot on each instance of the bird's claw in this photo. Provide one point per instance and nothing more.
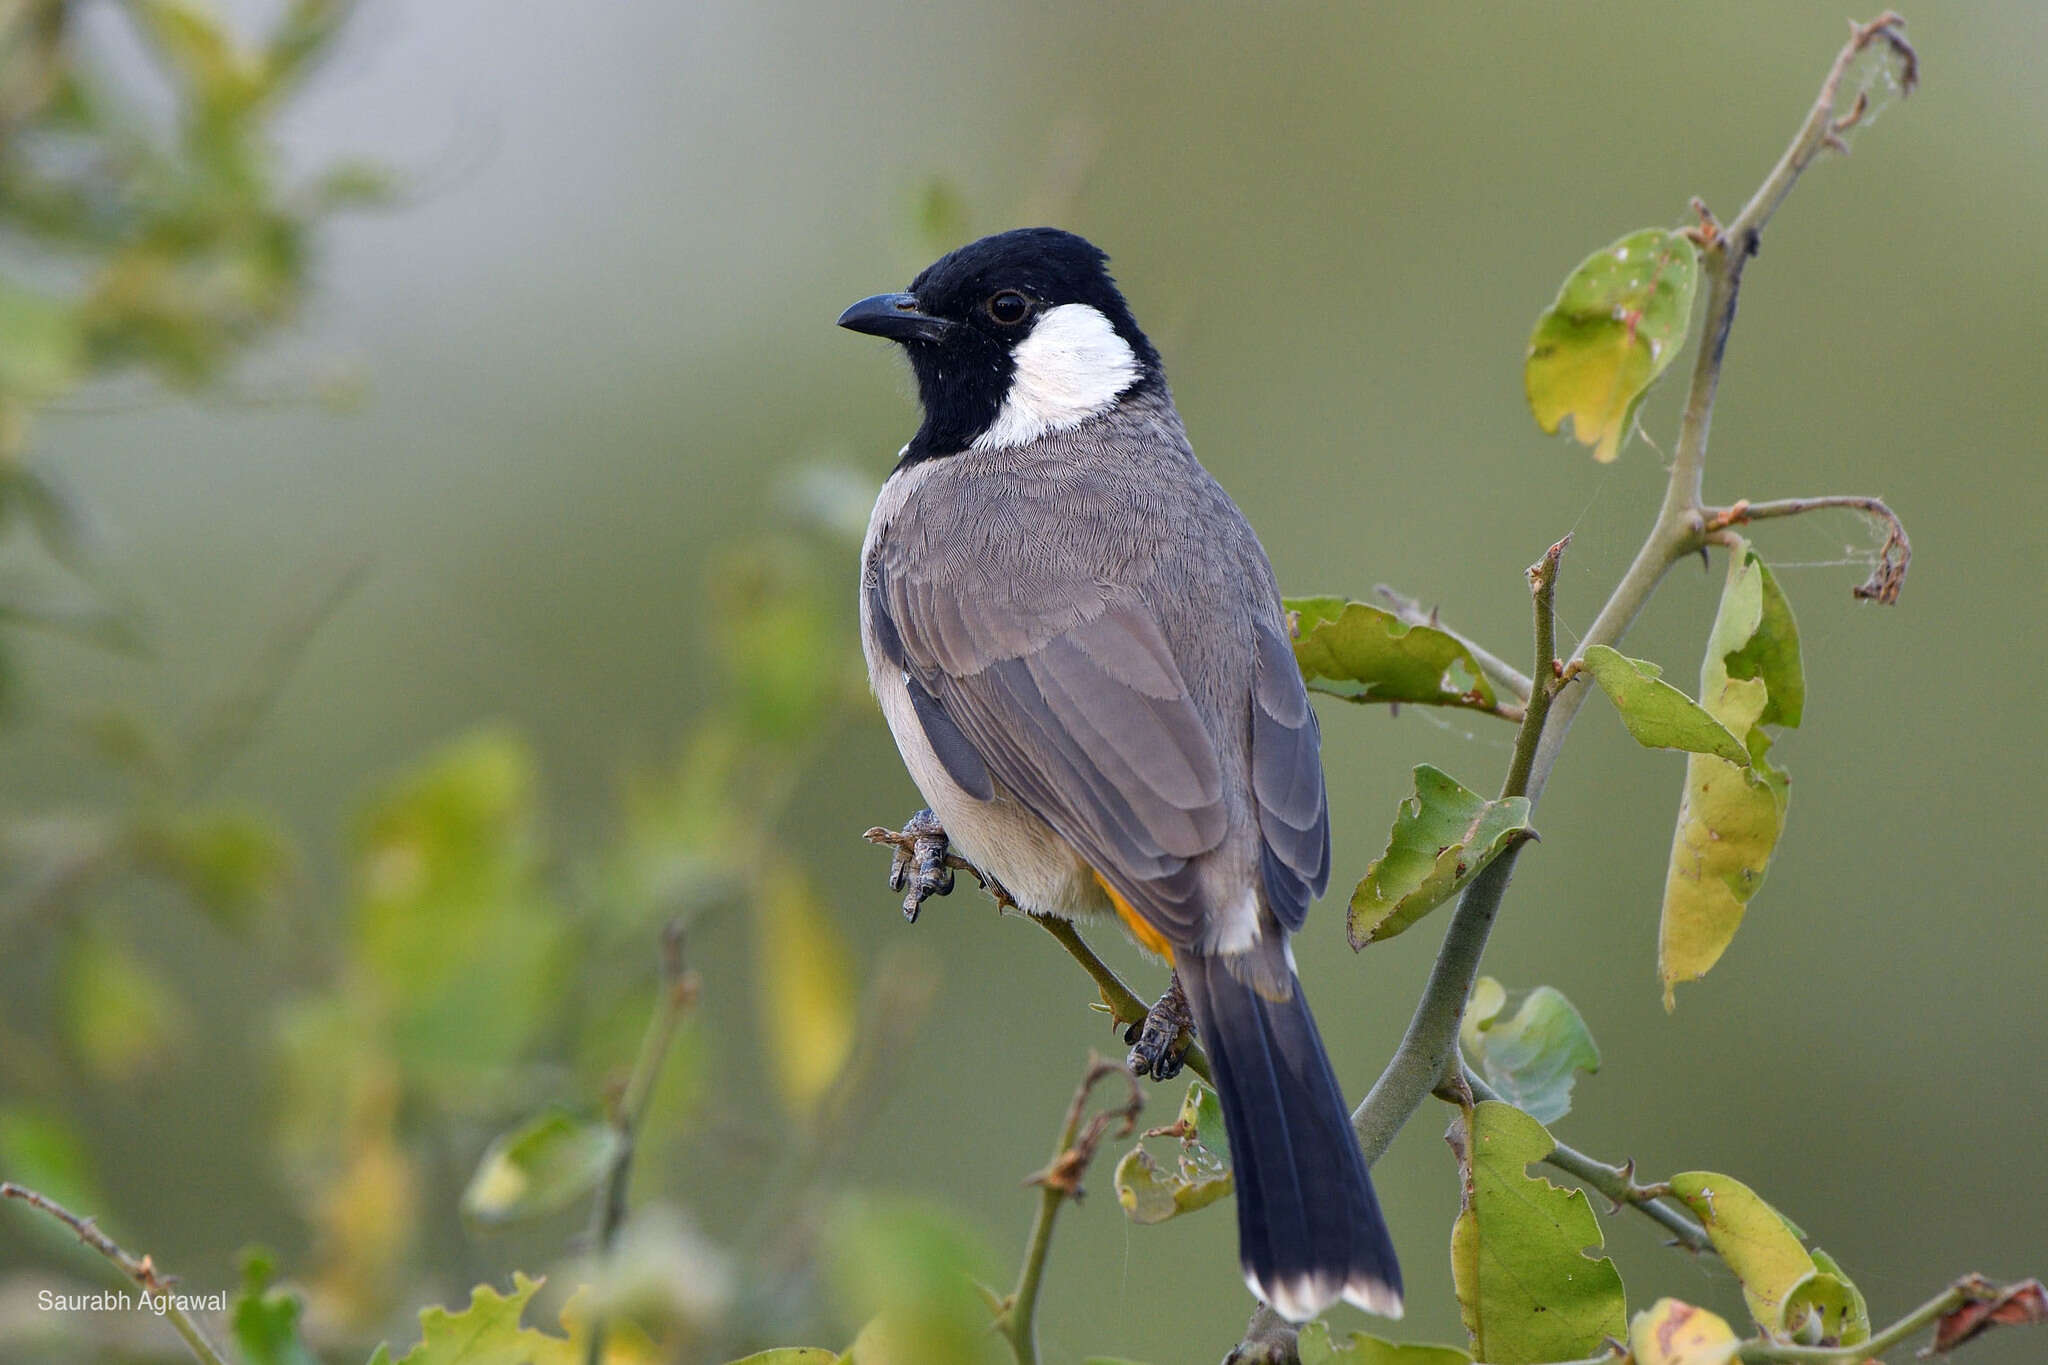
(1162, 1038)
(921, 865)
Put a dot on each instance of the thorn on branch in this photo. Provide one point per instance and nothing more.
(1708, 231)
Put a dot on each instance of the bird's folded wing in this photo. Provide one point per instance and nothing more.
(1075, 705)
(1287, 782)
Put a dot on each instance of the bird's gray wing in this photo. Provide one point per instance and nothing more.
(1287, 782)
(1065, 692)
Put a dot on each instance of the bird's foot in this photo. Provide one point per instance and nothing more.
(1161, 1040)
(921, 866)
(924, 864)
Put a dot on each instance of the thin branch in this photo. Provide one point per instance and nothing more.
(1498, 671)
(143, 1271)
(1617, 1183)
(678, 996)
(1889, 574)
(1059, 1182)
(1823, 127)
(1969, 1289)
(1125, 1008)
(1429, 1047)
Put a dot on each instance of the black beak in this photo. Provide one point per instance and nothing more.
(896, 317)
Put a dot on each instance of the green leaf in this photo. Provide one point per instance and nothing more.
(551, 1160)
(265, 1321)
(42, 1150)
(119, 1016)
(1730, 816)
(1836, 1304)
(1753, 1239)
(1378, 657)
(909, 1273)
(1526, 1289)
(42, 345)
(1533, 1056)
(1657, 714)
(1317, 1347)
(1442, 837)
(774, 639)
(232, 860)
(1673, 1333)
(485, 1333)
(791, 1355)
(1200, 1174)
(1618, 322)
(807, 995)
(453, 925)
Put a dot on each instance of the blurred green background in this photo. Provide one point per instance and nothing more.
(593, 336)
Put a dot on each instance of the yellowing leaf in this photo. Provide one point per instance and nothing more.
(1526, 1288)
(1752, 1238)
(1673, 1333)
(1730, 816)
(1377, 657)
(1618, 322)
(1441, 837)
(807, 995)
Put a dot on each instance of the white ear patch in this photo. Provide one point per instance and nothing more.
(1072, 366)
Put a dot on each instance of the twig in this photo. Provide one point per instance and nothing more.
(1969, 1289)
(1124, 1007)
(143, 1271)
(1429, 1046)
(1893, 560)
(1617, 1183)
(678, 995)
(1058, 1182)
(1498, 671)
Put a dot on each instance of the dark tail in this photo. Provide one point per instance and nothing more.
(1309, 1230)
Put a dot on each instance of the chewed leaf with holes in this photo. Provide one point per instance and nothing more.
(1526, 1287)
(1372, 655)
(1731, 815)
(1532, 1056)
(1442, 836)
(1618, 322)
(1671, 1332)
(1199, 1175)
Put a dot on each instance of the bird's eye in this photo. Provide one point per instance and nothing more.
(1009, 307)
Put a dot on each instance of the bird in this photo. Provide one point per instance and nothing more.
(1079, 646)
